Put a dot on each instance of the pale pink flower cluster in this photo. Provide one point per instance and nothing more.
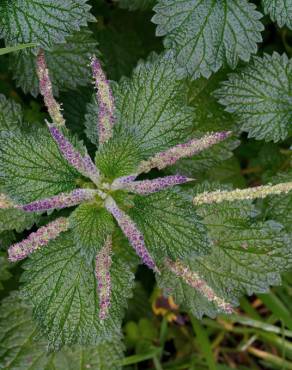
(103, 263)
(38, 239)
(195, 281)
(105, 101)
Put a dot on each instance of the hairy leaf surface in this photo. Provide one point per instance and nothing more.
(91, 225)
(170, 225)
(207, 34)
(260, 96)
(153, 105)
(247, 257)
(280, 11)
(32, 166)
(10, 114)
(45, 22)
(20, 348)
(63, 290)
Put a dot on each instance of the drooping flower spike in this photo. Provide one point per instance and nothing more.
(106, 118)
(172, 155)
(83, 165)
(46, 90)
(219, 196)
(151, 186)
(195, 281)
(63, 200)
(103, 263)
(38, 239)
(131, 231)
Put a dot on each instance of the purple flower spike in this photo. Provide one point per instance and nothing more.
(131, 231)
(152, 186)
(60, 201)
(38, 239)
(172, 155)
(121, 181)
(194, 280)
(47, 91)
(105, 101)
(102, 272)
(84, 165)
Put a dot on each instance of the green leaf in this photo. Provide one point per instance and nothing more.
(152, 104)
(207, 34)
(11, 49)
(170, 225)
(45, 22)
(15, 219)
(120, 156)
(63, 290)
(90, 225)
(91, 119)
(10, 114)
(260, 96)
(279, 207)
(22, 350)
(136, 4)
(67, 63)
(280, 11)
(247, 258)
(4, 269)
(32, 166)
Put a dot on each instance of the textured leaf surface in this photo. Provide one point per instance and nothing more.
(67, 63)
(10, 114)
(170, 225)
(32, 166)
(45, 22)
(247, 257)
(21, 350)
(14, 219)
(207, 34)
(91, 225)
(152, 105)
(279, 207)
(280, 11)
(120, 156)
(261, 97)
(63, 290)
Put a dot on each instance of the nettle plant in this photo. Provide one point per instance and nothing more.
(82, 265)
(127, 193)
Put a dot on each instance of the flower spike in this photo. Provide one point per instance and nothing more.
(103, 263)
(105, 101)
(47, 90)
(60, 201)
(152, 186)
(38, 239)
(172, 155)
(131, 231)
(194, 280)
(83, 165)
(242, 194)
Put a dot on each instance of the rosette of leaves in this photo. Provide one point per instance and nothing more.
(81, 265)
